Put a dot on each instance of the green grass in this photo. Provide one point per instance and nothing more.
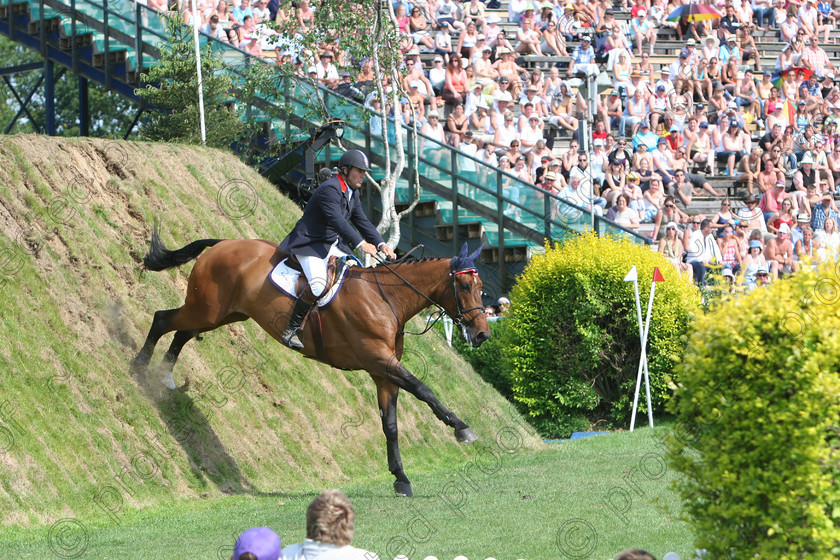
(256, 418)
(587, 498)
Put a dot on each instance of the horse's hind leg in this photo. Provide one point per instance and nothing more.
(387, 394)
(181, 338)
(160, 326)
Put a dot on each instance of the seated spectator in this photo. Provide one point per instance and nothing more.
(455, 86)
(785, 216)
(724, 217)
(509, 70)
(583, 59)
(643, 30)
(733, 147)
(829, 239)
(528, 39)
(635, 111)
(671, 246)
(574, 193)
(807, 246)
(418, 26)
(622, 214)
(443, 42)
(730, 249)
(435, 151)
(260, 543)
(449, 13)
(242, 10)
(553, 42)
(752, 214)
(326, 70)
(702, 249)
(753, 262)
(214, 29)
(330, 524)
(780, 251)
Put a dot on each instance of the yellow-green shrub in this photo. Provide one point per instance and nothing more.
(757, 409)
(576, 345)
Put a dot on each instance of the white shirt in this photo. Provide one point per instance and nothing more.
(316, 550)
(702, 248)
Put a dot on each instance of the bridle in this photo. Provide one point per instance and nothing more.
(458, 319)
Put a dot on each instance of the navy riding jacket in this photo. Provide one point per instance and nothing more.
(329, 216)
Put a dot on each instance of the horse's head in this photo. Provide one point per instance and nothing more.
(463, 302)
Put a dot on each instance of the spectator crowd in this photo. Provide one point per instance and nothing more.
(502, 84)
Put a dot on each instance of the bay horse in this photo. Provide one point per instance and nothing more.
(361, 329)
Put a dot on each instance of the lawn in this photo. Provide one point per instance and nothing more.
(588, 498)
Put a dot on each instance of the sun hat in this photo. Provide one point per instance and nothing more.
(802, 218)
(672, 225)
(262, 542)
(784, 228)
(755, 244)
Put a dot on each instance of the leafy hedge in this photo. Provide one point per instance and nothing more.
(576, 348)
(488, 360)
(757, 433)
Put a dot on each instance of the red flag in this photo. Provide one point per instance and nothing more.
(657, 276)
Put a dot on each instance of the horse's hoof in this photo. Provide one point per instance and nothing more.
(137, 365)
(403, 489)
(168, 381)
(465, 435)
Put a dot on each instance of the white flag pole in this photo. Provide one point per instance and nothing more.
(195, 21)
(644, 345)
(633, 276)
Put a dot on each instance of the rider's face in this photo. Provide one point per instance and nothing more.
(355, 176)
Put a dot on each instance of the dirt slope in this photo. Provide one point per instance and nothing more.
(81, 437)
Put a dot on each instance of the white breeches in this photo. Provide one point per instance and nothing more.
(315, 269)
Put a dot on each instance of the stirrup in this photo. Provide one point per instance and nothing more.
(293, 338)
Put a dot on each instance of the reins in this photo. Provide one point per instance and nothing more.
(459, 320)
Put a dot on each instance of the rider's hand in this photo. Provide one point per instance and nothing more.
(388, 252)
(368, 248)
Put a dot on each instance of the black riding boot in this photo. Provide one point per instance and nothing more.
(293, 335)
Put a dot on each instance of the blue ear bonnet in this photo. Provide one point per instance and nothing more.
(464, 261)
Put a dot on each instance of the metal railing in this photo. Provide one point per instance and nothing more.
(515, 208)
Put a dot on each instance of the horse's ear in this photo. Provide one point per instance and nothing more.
(464, 251)
(474, 256)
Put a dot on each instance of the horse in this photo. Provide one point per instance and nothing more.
(362, 328)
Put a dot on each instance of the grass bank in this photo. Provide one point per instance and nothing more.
(81, 440)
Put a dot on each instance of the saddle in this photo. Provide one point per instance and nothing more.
(288, 276)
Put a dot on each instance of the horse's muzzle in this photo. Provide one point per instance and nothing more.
(479, 338)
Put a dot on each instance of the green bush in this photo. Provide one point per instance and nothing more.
(576, 348)
(488, 360)
(757, 413)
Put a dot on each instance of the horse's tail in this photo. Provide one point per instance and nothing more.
(160, 258)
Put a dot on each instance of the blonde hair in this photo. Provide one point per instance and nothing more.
(330, 518)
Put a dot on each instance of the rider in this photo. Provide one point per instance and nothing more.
(328, 228)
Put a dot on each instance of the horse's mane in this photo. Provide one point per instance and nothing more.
(396, 264)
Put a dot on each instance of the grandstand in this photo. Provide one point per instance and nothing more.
(464, 195)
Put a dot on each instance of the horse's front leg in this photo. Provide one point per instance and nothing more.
(398, 375)
(387, 394)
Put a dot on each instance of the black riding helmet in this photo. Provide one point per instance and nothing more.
(354, 158)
